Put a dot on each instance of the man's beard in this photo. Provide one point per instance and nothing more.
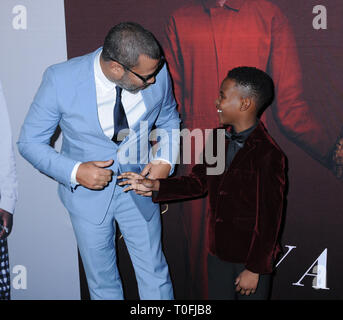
(127, 84)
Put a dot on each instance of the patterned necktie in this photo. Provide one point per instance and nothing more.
(119, 117)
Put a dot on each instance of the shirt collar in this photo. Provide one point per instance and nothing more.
(230, 4)
(100, 75)
(243, 135)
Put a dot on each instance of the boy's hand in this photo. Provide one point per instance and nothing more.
(246, 282)
(138, 183)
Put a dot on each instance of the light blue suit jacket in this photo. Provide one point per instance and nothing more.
(67, 97)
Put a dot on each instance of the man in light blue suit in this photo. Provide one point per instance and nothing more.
(106, 104)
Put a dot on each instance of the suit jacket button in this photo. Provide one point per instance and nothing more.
(222, 193)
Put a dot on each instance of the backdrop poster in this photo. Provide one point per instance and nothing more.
(311, 237)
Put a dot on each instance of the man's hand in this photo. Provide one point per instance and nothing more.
(338, 159)
(92, 174)
(6, 221)
(156, 169)
(246, 282)
(142, 186)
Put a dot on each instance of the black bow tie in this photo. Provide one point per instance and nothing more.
(236, 138)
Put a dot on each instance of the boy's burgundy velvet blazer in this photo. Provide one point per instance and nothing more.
(246, 202)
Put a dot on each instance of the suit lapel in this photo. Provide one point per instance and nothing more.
(86, 93)
(242, 154)
(149, 100)
(249, 146)
(153, 95)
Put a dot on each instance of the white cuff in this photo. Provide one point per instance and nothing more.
(8, 203)
(166, 161)
(73, 174)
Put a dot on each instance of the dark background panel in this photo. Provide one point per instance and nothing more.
(88, 21)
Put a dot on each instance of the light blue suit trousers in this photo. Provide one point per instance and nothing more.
(142, 238)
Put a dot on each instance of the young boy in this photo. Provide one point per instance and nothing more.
(246, 201)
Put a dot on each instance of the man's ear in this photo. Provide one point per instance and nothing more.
(117, 68)
(112, 69)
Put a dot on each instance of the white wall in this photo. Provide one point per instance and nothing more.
(32, 37)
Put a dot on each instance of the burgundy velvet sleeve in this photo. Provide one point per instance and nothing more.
(270, 197)
(183, 187)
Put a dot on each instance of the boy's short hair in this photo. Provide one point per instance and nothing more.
(258, 84)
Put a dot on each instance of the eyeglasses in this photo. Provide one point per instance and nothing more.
(145, 79)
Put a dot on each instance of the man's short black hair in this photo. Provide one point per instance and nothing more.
(126, 41)
(259, 85)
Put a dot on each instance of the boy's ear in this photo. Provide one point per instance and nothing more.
(246, 104)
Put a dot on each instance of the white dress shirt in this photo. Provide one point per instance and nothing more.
(106, 96)
(8, 176)
(133, 104)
